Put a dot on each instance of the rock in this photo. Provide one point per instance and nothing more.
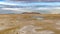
(30, 13)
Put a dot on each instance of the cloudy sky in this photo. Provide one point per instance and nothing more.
(18, 7)
(31, 5)
(35, 0)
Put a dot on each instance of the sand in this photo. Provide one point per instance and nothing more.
(29, 24)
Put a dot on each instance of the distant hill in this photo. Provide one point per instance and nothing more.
(30, 13)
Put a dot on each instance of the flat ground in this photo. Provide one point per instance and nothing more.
(17, 23)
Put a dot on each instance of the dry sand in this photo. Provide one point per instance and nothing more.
(29, 24)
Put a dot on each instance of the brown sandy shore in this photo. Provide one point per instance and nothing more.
(12, 23)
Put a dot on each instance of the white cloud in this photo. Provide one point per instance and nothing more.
(7, 3)
(14, 9)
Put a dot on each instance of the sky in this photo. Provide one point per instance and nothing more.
(37, 0)
(1, 0)
(32, 5)
(29, 4)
